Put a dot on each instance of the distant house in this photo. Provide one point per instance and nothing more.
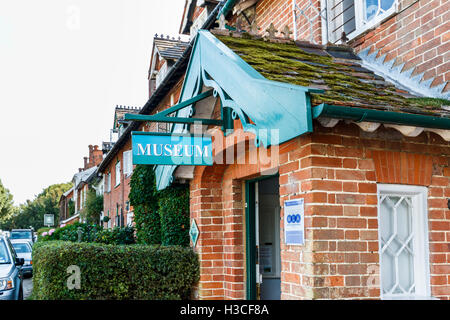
(73, 201)
(116, 169)
(67, 207)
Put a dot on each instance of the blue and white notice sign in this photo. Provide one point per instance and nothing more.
(294, 227)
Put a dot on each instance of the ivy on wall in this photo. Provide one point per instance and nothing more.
(173, 208)
(161, 217)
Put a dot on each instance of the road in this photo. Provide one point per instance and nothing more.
(27, 287)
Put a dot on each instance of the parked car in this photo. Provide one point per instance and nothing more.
(22, 234)
(24, 250)
(11, 275)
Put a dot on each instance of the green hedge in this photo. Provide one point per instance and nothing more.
(113, 271)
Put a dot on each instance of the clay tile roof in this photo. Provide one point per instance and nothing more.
(335, 69)
(170, 48)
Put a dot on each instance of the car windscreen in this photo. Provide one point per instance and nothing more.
(4, 256)
(20, 235)
(21, 247)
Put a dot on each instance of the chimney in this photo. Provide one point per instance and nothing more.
(86, 163)
(91, 156)
(97, 156)
(80, 169)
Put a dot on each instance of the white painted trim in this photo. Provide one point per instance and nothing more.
(407, 131)
(362, 26)
(69, 219)
(323, 21)
(420, 241)
(117, 174)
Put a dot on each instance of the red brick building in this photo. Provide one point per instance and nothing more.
(341, 122)
(78, 193)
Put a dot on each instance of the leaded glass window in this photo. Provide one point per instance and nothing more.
(403, 239)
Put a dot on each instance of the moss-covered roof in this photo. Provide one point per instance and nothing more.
(336, 70)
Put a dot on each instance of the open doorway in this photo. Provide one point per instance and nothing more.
(263, 239)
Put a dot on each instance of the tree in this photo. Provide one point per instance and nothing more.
(32, 212)
(6, 205)
(93, 208)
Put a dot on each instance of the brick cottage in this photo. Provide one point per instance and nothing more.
(346, 112)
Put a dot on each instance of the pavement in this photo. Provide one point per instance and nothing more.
(27, 287)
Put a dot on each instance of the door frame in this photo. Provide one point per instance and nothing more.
(250, 235)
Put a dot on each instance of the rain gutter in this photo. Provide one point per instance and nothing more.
(228, 6)
(371, 115)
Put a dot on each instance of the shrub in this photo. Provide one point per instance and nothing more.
(42, 230)
(124, 235)
(93, 207)
(113, 271)
(92, 233)
(70, 233)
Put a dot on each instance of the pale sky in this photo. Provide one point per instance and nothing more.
(64, 66)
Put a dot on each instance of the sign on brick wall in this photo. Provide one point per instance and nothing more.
(171, 149)
(294, 228)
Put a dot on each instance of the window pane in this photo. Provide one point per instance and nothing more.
(388, 276)
(4, 257)
(386, 4)
(21, 248)
(406, 271)
(397, 267)
(371, 9)
(118, 173)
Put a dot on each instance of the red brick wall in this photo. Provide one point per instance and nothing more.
(118, 194)
(279, 12)
(336, 170)
(419, 35)
(197, 12)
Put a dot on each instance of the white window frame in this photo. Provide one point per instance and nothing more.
(81, 199)
(108, 182)
(420, 240)
(127, 163)
(361, 25)
(117, 168)
(161, 73)
(197, 24)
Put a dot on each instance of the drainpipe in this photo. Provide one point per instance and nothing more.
(227, 7)
(294, 19)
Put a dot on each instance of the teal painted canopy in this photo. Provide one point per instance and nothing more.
(270, 105)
